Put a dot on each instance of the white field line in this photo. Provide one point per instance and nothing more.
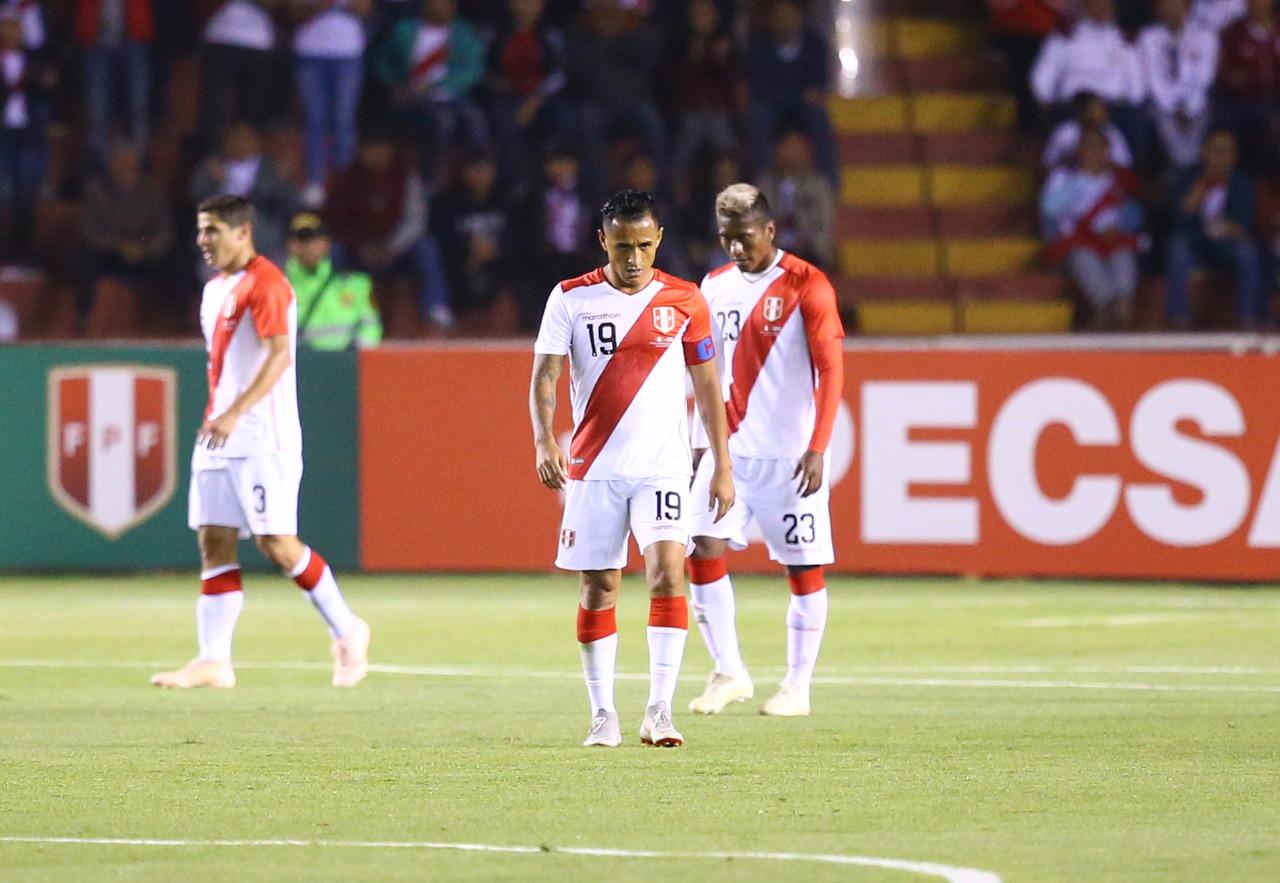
(448, 671)
(926, 869)
(1122, 620)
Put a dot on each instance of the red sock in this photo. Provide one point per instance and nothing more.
(705, 571)
(806, 582)
(220, 584)
(596, 624)
(309, 578)
(672, 613)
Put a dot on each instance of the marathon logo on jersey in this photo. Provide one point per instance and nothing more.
(664, 319)
(568, 538)
(111, 443)
(773, 308)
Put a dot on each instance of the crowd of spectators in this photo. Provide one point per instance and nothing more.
(1161, 124)
(458, 146)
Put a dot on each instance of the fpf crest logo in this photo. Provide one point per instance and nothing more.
(664, 319)
(773, 308)
(111, 443)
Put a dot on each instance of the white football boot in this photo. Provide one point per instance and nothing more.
(789, 701)
(657, 729)
(351, 656)
(606, 732)
(198, 673)
(722, 690)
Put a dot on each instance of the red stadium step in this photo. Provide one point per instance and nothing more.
(950, 74)
(1039, 287)
(897, 147)
(857, 289)
(969, 222)
(913, 222)
(978, 148)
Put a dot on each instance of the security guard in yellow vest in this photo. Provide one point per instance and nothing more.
(335, 309)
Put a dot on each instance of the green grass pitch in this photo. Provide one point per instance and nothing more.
(1034, 731)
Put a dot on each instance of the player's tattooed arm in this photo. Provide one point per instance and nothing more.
(706, 393)
(550, 461)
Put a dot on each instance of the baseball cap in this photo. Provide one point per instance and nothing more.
(307, 225)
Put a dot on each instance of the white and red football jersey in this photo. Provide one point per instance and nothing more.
(238, 311)
(627, 359)
(771, 326)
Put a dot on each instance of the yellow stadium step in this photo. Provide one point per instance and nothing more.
(899, 317)
(916, 38)
(1015, 317)
(994, 256)
(890, 257)
(963, 112)
(870, 115)
(980, 185)
(867, 186)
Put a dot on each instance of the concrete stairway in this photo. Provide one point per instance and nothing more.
(937, 225)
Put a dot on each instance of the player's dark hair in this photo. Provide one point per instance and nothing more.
(234, 211)
(628, 205)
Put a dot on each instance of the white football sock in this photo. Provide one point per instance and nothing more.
(806, 622)
(216, 617)
(714, 609)
(326, 597)
(599, 659)
(666, 650)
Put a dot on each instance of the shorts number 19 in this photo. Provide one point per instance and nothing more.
(668, 506)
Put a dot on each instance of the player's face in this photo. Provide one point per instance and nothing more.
(632, 247)
(748, 241)
(221, 245)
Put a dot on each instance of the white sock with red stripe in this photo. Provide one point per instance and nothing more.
(217, 609)
(598, 637)
(714, 609)
(668, 630)
(313, 576)
(806, 623)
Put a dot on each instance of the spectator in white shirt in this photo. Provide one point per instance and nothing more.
(238, 68)
(31, 17)
(1179, 59)
(1091, 113)
(1092, 55)
(328, 49)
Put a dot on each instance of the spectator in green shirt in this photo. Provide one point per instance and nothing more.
(335, 308)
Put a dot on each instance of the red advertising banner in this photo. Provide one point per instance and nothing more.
(1150, 465)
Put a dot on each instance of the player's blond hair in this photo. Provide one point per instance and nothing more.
(740, 201)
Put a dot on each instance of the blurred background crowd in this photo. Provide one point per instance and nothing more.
(432, 167)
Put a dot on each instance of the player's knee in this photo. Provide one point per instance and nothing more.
(665, 582)
(217, 548)
(707, 548)
(278, 550)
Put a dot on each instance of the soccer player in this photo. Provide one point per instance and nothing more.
(247, 462)
(781, 360)
(630, 331)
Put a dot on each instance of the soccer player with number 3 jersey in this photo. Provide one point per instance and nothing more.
(247, 463)
(780, 337)
(630, 332)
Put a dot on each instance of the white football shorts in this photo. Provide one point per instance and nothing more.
(796, 529)
(599, 514)
(257, 495)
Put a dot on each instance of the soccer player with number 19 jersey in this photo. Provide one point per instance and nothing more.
(782, 362)
(630, 331)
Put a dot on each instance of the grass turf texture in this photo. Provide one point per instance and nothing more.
(930, 739)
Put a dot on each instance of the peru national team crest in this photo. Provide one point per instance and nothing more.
(664, 319)
(568, 538)
(111, 443)
(772, 309)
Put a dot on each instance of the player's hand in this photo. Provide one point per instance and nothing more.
(722, 492)
(553, 465)
(809, 471)
(215, 432)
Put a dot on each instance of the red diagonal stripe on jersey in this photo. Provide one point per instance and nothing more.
(616, 387)
(754, 346)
